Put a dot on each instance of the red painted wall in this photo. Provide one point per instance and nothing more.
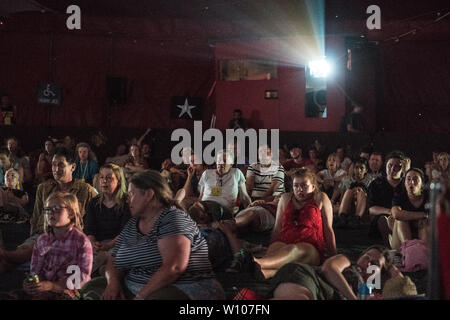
(288, 111)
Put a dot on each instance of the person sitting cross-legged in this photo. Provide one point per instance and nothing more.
(62, 247)
(160, 253)
(63, 165)
(107, 214)
(298, 234)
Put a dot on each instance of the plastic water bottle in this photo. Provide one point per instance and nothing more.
(363, 291)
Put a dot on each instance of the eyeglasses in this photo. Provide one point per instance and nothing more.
(57, 209)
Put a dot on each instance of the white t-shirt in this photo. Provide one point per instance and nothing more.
(345, 164)
(326, 174)
(264, 177)
(223, 190)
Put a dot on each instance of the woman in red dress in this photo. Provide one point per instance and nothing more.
(298, 232)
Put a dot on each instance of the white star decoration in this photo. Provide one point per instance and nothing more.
(185, 108)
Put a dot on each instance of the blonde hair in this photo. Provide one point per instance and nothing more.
(73, 207)
(338, 160)
(16, 174)
(120, 194)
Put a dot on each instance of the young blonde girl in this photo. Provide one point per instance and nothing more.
(62, 250)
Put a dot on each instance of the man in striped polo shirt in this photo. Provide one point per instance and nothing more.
(265, 179)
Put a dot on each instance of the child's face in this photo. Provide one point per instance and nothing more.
(56, 213)
(332, 163)
(11, 180)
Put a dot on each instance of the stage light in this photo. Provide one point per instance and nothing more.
(319, 68)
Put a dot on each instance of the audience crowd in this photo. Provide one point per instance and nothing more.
(116, 229)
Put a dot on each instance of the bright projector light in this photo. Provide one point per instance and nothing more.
(319, 68)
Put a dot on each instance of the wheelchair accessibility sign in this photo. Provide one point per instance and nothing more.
(49, 93)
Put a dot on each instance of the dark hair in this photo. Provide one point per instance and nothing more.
(419, 171)
(66, 153)
(397, 154)
(377, 153)
(295, 145)
(362, 161)
(152, 179)
(237, 111)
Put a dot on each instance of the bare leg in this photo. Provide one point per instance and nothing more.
(401, 233)
(246, 221)
(384, 230)
(361, 201)
(292, 291)
(299, 252)
(346, 202)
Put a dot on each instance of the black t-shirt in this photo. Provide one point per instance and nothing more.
(104, 223)
(401, 199)
(381, 193)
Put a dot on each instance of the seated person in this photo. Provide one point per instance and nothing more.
(63, 165)
(159, 254)
(120, 157)
(224, 184)
(176, 175)
(135, 163)
(6, 164)
(297, 161)
(314, 157)
(375, 165)
(345, 160)
(190, 189)
(265, 179)
(354, 200)
(337, 279)
(86, 167)
(107, 213)
(44, 164)
(18, 159)
(12, 200)
(62, 238)
(380, 195)
(332, 175)
(298, 234)
(442, 168)
(408, 210)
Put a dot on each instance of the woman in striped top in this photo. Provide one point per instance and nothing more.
(160, 253)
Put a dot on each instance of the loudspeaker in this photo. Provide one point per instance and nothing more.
(116, 90)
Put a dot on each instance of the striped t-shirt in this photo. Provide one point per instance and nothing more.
(137, 254)
(264, 176)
